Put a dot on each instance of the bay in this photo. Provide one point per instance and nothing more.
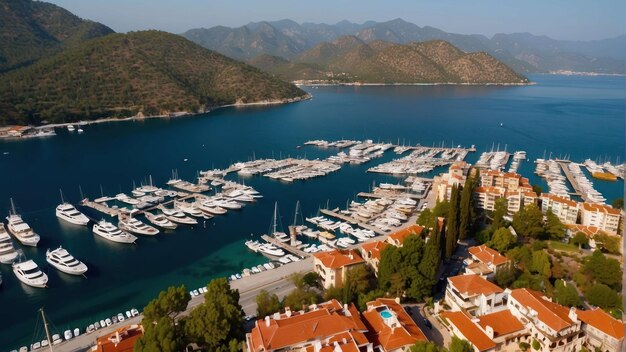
(581, 117)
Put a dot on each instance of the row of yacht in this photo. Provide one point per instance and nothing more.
(518, 156)
(551, 172)
(493, 160)
(360, 153)
(421, 160)
(589, 193)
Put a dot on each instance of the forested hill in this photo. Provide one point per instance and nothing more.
(30, 30)
(151, 72)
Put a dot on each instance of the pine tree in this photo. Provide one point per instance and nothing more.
(452, 229)
(466, 211)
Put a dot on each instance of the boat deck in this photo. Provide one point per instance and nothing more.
(285, 246)
(572, 179)
(352, 220)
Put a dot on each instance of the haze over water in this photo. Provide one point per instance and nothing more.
(581, 117)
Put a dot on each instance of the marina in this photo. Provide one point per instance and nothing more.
(422, 160)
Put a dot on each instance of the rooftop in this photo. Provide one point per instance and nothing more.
(401, 235)
(374, 248)
(121, 340)
(487, 255)
(474, 285)
(339, 258)
(390, 326)
(558, 199)
(602, 321)
(470, 331)
(502, 323)
(600, 208)
(552, 314)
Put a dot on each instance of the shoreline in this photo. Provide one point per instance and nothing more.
(311, 83)
(170, 115)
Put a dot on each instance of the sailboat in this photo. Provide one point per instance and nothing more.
(279, 235)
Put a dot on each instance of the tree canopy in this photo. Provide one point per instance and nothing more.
(266, 304)
(528, 222)
(566, 294)
(554, 228)
(502, 240)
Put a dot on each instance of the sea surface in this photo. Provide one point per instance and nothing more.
(566, 116)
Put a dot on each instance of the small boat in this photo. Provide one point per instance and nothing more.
(177, 216)
(108, 231)
(70, 128)
(188, 208)
(130, 224)
(63, 261)
(68, 334)
(8, 254)
(120, 317)
(160, 220)
(18, 228)
(76, 332)
(29, 273)
(80, 130)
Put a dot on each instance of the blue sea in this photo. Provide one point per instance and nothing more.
(566, 116)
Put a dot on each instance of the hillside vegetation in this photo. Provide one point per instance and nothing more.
(30, 30)
(349, 59)
(151, 72)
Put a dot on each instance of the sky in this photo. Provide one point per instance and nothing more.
(559, 19)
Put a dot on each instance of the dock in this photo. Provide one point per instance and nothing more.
(352, 220)
(101, 207)
(285, 246)
(572, 179)
(390, 195)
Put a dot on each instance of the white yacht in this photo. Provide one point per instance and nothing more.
(8, 254)
(210, 208)
(130, 224)
(28, 272)
(18, 228)
(271, 250)
(177, 216)
(70, 128)
(108, 231)
(67, 212)
(122, 197)
(62, 260)
(188, 208)
(160, 220)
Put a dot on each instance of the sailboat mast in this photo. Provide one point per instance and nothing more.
(13, 207)
(295, 215)
(62, 200)
(275, 215)
(45, 325)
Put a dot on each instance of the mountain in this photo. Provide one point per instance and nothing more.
(32, 30)
(351, 59)
(521, 51)
(149, 72)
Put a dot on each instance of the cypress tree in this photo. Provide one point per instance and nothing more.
(429, 265)
(452, 229)
(466, 211)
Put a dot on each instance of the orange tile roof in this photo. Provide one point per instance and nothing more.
(552, 314)
(590, 231)
(502, 323)
(558, 199)
(602, 321)
(391, 338)
(374, 248)
(339, 258)
(128, 334)
(474, 285)
(470, 331)
(489, 190)
(325, 322)
(601, 208)
(487, 255)
(401, 235)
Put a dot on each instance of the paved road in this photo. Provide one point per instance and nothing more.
(274, 281)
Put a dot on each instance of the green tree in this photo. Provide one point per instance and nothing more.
(429, 265)
(217, 324)
(427, 346)
(536, 345)
(390, 263)
(458, 345)
(580, 240)
(425, 218)
(311, 279)
(618, 203)
(608, 243)
(604, 270)
(500, 210)
(358, 281)
(537, 189)
(541, 263)
(524, 346)
(266, 304)
(466, 206)
(506, 275)
(554, 228)
(502, 240)
(522, 256)
(159, 321)
(484, 236)
(300, 298)
(528, 222)
(452, 225)
(603, 296)
(566, 294)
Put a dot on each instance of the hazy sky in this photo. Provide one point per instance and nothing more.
(560, 19)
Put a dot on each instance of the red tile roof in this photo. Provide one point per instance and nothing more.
(125, 341)
(339, 258)
(552, 314)
(602, 321)
(502, 323)
(374, 248)
(487, 255)
(470, 331)
(557, 199)
(474, 285)
(407, 333)
(601, 208)
(401, 235)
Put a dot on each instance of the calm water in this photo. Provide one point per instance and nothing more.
(579, 116)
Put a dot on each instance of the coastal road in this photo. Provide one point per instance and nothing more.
(274, 281)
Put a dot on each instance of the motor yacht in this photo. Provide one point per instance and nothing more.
(20, 230)
(271, 250)
(29, 273)
(108, 231)
(69, 213)
(160, 220)
(62, 260)
(188, 208)
(210, 208)
(132, 225)
(126, 199)
(177, 216)
(8, 254)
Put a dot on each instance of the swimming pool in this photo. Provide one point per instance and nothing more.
(385, 314)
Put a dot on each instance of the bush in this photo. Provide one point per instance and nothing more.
(536, 345)
(524, 346)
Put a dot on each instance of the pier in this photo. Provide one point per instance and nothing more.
(285, 246)
(571, 179)
(101, 207)
(352, 221)
(389, 195)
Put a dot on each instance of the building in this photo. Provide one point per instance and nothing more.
(486, 196)
(602, 330)
(474, 295)
(464, 328)
(497, 184)
(397, 238)
(508, 180)
(484, 261)
(456, 176)
(371, 252)
(555, 327)
(503, 329)
(519, 198)
(333, 266)
(604, 217)
(390, 327)
(329, 324)
(565, 209)
(121, 340)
